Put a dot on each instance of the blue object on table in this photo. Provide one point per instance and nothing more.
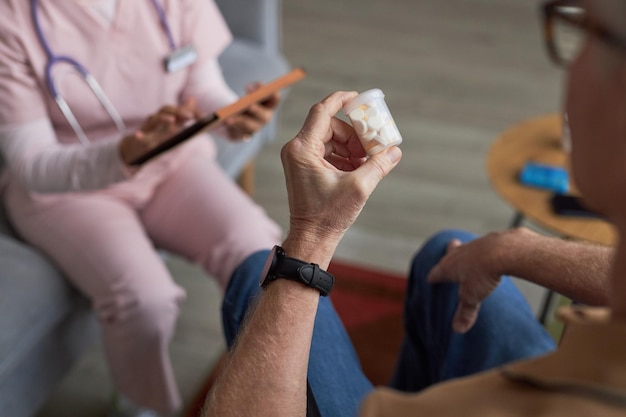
(547, 177)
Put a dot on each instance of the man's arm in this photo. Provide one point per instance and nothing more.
(575, 269)
(578, 270)
(266, 371)
(328, 182)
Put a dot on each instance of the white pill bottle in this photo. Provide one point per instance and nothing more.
(372, 121)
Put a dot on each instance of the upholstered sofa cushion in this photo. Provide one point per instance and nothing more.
(45, 324)
(235, 62)
(37, 310)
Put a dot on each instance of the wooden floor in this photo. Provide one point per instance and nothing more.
(455, 74)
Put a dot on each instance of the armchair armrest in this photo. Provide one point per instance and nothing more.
(254, 55)
(257, 21)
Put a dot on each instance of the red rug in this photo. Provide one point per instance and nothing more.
(370, 304)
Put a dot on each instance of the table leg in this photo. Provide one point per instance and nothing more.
(545, 309)
(518, 218)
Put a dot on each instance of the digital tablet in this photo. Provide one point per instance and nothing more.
(215, 119)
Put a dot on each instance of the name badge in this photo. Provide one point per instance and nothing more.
(181, 58)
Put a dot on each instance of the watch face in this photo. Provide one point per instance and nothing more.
(268, 265)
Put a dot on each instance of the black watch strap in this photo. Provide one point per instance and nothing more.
(309, 274)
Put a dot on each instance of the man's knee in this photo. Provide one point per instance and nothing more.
(437, 244)
(419, 290)
(433, 250)
(242, 288)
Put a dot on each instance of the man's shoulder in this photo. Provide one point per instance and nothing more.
(486, 394)
(522, 389)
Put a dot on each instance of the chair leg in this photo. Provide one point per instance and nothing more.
(246, 179)
(546, 307)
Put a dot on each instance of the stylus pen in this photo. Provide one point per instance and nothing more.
(215, 119)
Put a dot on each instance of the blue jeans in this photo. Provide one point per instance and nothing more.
(506, 330)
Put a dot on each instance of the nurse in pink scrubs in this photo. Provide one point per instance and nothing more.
(68, 190)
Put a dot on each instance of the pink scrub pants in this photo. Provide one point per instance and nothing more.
(105, 243)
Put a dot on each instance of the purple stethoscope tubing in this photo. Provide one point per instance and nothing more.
(85, 74)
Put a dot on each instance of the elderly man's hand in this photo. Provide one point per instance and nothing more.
(328, 177)
(477, 267)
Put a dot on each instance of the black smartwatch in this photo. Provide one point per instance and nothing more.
(279, 265)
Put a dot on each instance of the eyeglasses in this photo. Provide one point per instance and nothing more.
(566, 27)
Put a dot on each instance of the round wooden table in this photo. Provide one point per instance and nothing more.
(538, 140)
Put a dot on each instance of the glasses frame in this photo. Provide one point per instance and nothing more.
(551, 11)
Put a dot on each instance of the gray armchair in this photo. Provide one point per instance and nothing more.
(255, 56)
(45, 324)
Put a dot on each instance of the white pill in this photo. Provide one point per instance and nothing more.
(370, 134)
(387, 133)
(356, 114)
(375, 149)
(360, 126)
(371, 145)
(375, 122)
(371, 112)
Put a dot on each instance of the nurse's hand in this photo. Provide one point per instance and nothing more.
(246, 124)
(156, 129)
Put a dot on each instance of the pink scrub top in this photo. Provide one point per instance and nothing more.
(125, 56)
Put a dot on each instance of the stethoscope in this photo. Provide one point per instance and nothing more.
(89, 79)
